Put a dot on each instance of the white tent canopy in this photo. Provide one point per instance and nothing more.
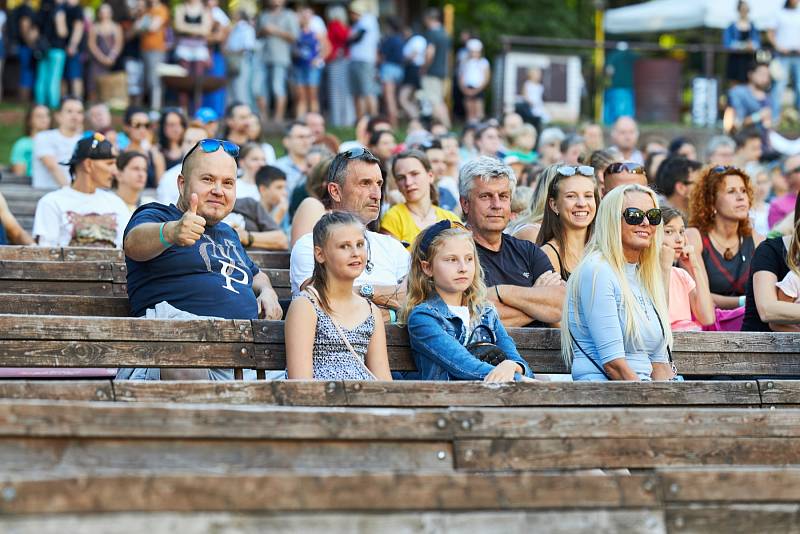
(669, 15)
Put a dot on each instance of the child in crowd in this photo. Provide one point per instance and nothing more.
(690, 304)
(533, 93)
(331, 332)
(447, 304)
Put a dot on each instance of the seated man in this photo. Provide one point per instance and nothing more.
(11, 233)
(188, 257)
(84, 214)
(518, 275)
(354, 185)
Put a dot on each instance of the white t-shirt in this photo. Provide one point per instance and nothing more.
(462, 312)
(390, 261)
(787, 29)
(167, 190)
(51, 143)
(69, 218)
(414, 50)
(790, 285)
(366, 49)
(473, 71)
(247, 190)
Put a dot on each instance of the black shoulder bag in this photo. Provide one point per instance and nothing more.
(486, 351)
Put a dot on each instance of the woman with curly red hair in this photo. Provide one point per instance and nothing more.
(720, 227)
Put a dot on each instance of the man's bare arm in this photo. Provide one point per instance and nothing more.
(541, 303)
(55, 169)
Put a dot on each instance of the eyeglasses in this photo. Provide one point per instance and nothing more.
(635, 216)
(212, 145)
(625, 166)
(137, 125)
(569, 170)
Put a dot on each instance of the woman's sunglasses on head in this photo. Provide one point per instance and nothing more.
(635, 216)
(572, 170)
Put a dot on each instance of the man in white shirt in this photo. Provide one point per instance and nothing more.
(354, 185)
(53, 146)
(297, 141)
(784, 34)
(84, 213)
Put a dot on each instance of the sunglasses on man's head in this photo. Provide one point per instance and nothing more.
(635, 216)
(572, 170)
(625, 166)
(357, 152)
(212, 145)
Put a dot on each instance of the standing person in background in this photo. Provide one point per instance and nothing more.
(474, 75)
(131, 51)
(340, 100)
(137, 128)
(51, 147)
(23, 33)
(752, 101)
(105, 45)
(240, 50)
(220, 29)
(277, 29)
(193, 24)
(625, 136)
(51, 52)
(413, 60)
(152, 27)
(37, 119)
(364, 37)
(307, 66)
(785, 37)
(435, 70)
(171, 127)
(743, 39)
(391, 71)
(73, 68)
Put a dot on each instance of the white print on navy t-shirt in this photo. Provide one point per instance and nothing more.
(228, 256)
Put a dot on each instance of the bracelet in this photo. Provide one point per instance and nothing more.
(742, 300)
(497, 292)
(392, 316)
(164, 242)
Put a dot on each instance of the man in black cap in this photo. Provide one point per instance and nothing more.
(84, 213)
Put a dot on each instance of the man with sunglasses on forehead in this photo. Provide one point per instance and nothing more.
(185, 255)
(623, 173)
(84, 213)
(520, 278)
(354, 186)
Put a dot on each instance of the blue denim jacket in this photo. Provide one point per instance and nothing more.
(437, 339)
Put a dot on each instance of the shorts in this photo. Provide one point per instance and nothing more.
(391, 73)
(73, 69)
(190, 50)
(411, 76)
(269, 81)
(433, 89)
(362, 78)
(306, 75)
(476, 96)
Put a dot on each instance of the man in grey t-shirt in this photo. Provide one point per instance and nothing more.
(434, 72)
(278, 29)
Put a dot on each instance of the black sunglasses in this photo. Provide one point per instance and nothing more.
(212, 145)
(625, 166)
(635, 216)
(357, 152)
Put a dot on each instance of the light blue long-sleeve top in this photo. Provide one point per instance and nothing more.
(601, 325)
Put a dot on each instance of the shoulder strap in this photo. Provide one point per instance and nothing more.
(597, 365)
(349, 346)
(558, 256)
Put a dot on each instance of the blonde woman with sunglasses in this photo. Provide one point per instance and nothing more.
(615, 324)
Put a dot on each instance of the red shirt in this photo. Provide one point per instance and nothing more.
(337, 35)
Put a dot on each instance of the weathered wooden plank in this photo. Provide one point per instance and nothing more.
(54, 287)
(85, 390)
(56, 270)
(279, 392)
(700, 519)
(540, 423)
(113, 255)
(269, 259)
(778, 392)
(123, 329)
(292, 491)
(76, 305)
(542, 522)
(731, 485)
(71, 456)
(35, 418)
(630, 452)
(30, 253)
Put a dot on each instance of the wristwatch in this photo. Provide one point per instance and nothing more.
(366, 291)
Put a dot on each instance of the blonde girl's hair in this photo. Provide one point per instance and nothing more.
(606, 245)
(320, 234)
(421, 286)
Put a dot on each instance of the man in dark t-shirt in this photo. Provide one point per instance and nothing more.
(519, 276)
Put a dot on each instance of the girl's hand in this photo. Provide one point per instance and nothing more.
(667, 257)
(503, 372)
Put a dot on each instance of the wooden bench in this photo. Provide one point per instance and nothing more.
(51, 341)
(87, 278)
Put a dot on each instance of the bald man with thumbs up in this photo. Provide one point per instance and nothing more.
(185, 255)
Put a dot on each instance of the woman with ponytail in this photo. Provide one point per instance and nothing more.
(331, 332)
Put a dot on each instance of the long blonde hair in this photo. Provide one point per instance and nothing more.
(421, 286)
(606, 245)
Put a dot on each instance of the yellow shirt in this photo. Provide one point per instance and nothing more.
(399, 222)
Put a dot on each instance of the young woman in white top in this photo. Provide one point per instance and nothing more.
(251, 159)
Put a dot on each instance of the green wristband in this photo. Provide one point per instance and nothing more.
(392, 316)
(164, 242)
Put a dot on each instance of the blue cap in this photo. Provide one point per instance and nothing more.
(206, 115)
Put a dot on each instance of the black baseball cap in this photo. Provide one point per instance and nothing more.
(93, 145)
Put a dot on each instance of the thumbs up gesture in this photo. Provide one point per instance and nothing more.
(188, 229)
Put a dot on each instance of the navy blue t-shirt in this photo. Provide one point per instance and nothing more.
(3, 238)
(517, 263)
(212, 277)
(392, 49)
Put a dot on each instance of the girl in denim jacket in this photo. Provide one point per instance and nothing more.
(446, 301)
